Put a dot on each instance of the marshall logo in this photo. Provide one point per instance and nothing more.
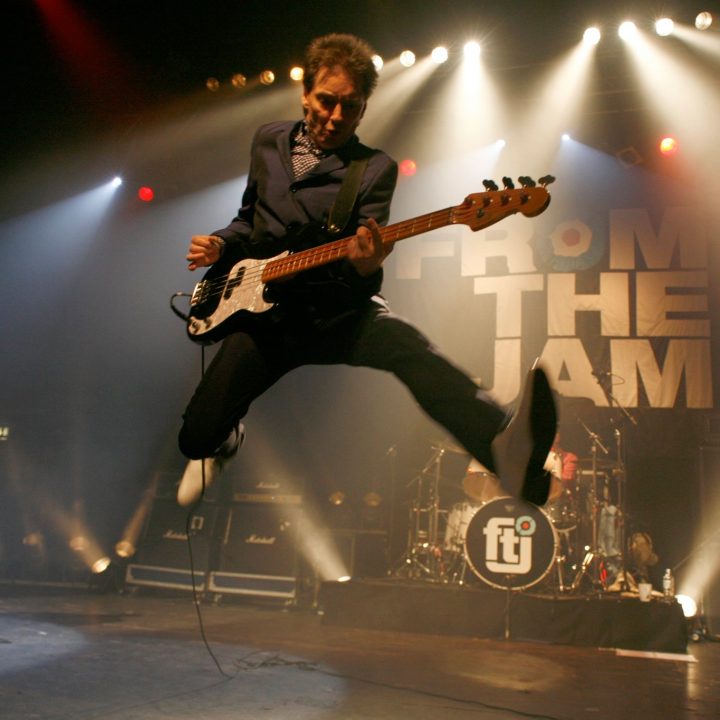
(260, 539)
(264, 485)
(174, 535)
(196, 525)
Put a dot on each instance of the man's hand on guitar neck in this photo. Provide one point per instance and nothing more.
(204, 251)
(366, 250)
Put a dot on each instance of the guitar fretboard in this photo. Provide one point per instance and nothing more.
(315, 257)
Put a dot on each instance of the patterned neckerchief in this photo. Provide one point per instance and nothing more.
(304, 153)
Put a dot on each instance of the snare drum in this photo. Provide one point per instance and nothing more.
(510, 544)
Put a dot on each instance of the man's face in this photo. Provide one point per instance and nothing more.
(333, 108)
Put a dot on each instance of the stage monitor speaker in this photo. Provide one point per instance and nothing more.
(258, 555)
(363, 552)
(709, 540)
(163, 558)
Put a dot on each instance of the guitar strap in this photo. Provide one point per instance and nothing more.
(345, 200)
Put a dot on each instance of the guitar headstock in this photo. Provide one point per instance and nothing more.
(480, 210)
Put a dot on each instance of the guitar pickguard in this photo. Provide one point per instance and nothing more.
(225, 291)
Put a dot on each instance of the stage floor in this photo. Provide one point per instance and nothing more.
(71, 654)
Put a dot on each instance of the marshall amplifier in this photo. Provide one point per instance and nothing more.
(163, 558)
(258, 555)
(267, 489)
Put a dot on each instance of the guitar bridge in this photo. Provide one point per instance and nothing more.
(200, 294)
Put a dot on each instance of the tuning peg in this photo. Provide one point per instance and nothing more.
(526, 181)
(508, 183)
(490, 185)
(546, 180)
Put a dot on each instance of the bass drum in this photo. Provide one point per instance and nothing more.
(510, 544)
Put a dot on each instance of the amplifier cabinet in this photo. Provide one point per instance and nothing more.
(163, 558)
(258, 554)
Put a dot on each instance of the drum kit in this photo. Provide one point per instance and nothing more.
(573, 544)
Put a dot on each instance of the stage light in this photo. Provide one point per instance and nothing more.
(212, 84)
(78, 544)
(501, 143)
(628, 31)
(378, 62)
(267, 77)
(407, 58)
(344, 578)
(664, 27)
(566, 137)
(238, 80)
(592, 36)
(116, 182)
(472, 50)
(146, 194)
(125, 549)
(296, 73)
(703, 20)
(439, 55)
(669, 146)
(100, 565)
(34, 539)
(689, 606)
(372, 499)
(336, 498)
(408, 168)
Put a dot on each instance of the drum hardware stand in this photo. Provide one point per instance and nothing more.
(620, 475)
(593, 556)
(423, 556)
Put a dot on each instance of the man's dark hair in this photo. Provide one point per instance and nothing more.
(349, 52)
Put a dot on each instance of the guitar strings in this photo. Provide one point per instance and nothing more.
(335, 250)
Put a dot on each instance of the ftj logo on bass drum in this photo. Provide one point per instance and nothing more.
(510, 544)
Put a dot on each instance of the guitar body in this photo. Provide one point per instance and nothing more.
(229, 295)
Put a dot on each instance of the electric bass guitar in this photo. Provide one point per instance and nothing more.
(231, 292)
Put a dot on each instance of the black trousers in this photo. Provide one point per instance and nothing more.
(248, 363)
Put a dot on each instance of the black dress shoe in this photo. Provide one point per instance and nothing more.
(521, 449)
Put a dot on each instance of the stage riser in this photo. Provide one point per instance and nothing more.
(605, 621)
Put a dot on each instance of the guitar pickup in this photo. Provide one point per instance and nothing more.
(234, 282)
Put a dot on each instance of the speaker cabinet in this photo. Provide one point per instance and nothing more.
(258, 554)
(363, 552)
(163, 557)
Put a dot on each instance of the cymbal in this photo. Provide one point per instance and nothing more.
(449, 446)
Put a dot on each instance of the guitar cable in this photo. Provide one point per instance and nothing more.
(189, 530)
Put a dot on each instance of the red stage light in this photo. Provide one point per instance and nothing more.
(408, 167)
(146, 194)
(669, 146)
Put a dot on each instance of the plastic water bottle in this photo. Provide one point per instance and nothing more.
(668, 585)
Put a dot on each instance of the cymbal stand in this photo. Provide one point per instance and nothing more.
(423, 556)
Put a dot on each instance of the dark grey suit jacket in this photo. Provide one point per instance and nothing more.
(274, 202)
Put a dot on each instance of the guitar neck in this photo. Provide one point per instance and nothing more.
(338, 249)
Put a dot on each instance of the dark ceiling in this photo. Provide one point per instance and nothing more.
(133, 55)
